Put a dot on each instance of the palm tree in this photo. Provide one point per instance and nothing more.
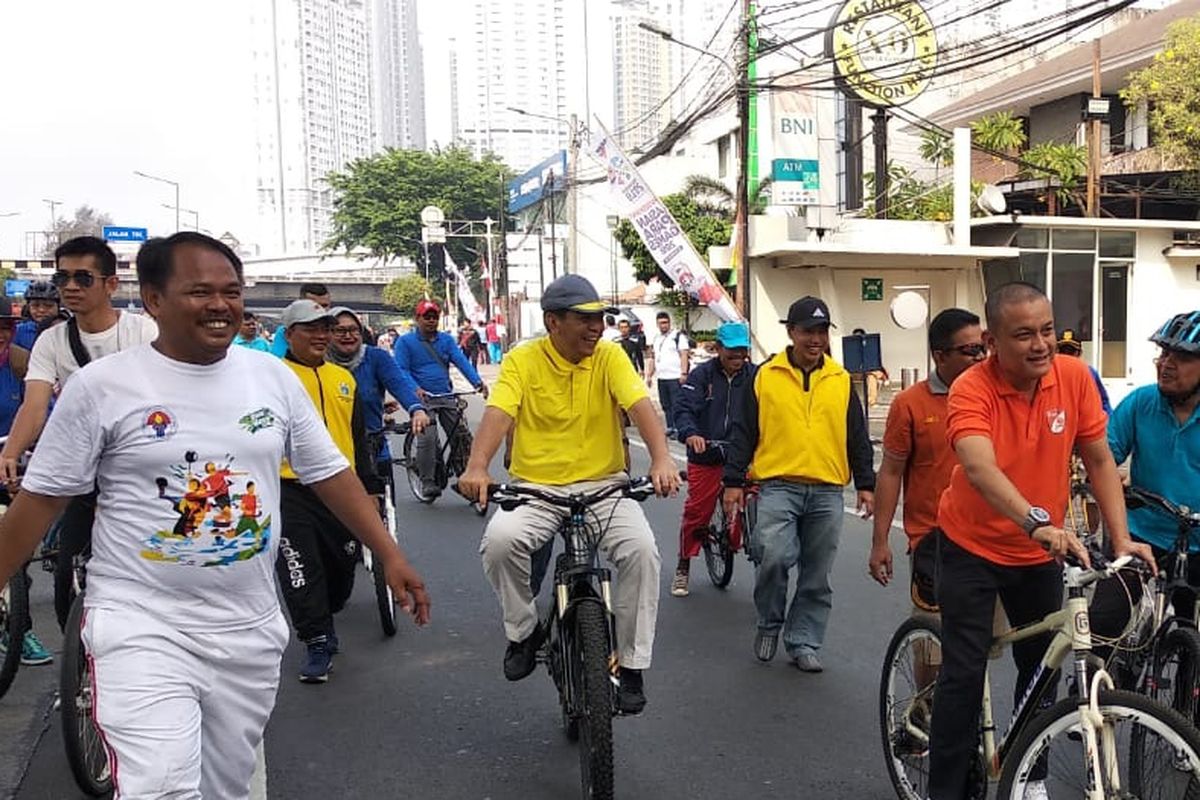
(1066, 162)
(1001, 132)
(713, 197)
(937, 148)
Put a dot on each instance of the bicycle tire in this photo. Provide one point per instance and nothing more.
(749, 520)
(14, 622)
(1181, 748)
(411, 473)
(86, 752)
(595, 701)
(64, 587)
(1178, 689)
(384, 599)
(896, 739)
(718, 555)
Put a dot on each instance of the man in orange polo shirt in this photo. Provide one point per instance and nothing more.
(917, 455)
(1013, 421)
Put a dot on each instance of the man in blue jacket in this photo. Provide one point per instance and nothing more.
(425, 355)
(713, 396)
(376, 373)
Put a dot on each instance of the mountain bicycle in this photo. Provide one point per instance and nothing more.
(14, 622)
(450, 454)
(86, 751)
(578, 630)
(718, 536)
(1103, 744)
(1160, 652)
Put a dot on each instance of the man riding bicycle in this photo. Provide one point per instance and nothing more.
(376, 374)
(425, 355)
(713, 396)
(562, 395)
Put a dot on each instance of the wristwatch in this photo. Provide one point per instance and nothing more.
(1036, 518)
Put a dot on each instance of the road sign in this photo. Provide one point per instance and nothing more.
(13, 286)
(112, 233)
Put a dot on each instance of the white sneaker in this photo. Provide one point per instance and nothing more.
(679, 586)
(1036, 790)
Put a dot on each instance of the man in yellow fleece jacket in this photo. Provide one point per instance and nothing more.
(802, 437)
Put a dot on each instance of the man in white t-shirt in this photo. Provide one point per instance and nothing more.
(611, 332)
(669, 364)
(182, 625)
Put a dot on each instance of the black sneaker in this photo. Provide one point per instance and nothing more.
(520, 658)
(631, 697)
(318, 661)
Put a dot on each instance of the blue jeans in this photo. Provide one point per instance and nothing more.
(798, 525)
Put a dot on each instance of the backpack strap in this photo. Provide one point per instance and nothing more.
(82, 357)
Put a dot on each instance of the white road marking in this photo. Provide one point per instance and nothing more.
(258, 782)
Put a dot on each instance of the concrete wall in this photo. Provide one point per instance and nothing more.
(775, 288)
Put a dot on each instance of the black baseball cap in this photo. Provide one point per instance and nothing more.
(575, 293)
(808, 312)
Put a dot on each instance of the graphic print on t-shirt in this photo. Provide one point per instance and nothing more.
(207, 532)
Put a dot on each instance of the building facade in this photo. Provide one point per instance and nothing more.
(512, 57)
(398, 75)
(642, 74)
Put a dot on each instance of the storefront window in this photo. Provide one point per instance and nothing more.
(1073, 239)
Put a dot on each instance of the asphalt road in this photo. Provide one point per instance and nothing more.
(429, 715)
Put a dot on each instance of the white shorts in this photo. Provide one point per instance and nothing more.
(181, 713)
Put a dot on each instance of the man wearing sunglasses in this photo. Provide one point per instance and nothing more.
(426, 354)
(917, 457)
(319, 294)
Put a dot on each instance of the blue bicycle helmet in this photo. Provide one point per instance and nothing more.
(1180, 332)
(42, 290)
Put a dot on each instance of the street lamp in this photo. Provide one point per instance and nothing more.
(164, 180)
(668, 37)
(195, 216)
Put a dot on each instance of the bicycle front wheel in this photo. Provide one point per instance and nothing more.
(1146, 751)
(411, 472)
(910, 670)
(1175, 678)
(718, 555)
(85, 748)
(14, 621)
(594, 699)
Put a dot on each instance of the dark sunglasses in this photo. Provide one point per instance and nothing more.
(431, 315)
(968, 350)
(83, 278)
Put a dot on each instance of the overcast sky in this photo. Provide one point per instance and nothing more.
(93, 91)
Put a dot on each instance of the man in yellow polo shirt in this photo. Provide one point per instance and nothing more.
(561, 395)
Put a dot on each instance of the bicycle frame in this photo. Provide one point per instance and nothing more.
(447, 402)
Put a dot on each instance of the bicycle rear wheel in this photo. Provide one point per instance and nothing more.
(14, 622)
(718, 555)
(1155, 753)
(594, 696)
(86, 752)
(1174, 678)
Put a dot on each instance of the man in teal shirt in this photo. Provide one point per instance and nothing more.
(248, 335)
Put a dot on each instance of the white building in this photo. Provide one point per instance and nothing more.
(642, 74)
(398, 75)
(514, 54)
(312, 112)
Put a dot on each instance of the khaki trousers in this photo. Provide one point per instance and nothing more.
(512, 537)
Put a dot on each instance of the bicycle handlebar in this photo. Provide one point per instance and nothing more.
(1136, 497)
(509, 496)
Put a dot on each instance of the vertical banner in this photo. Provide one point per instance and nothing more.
(661, 234)
(466, 298)
(795, 154)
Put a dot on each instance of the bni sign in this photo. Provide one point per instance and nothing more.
(796, 167)
(113, 233)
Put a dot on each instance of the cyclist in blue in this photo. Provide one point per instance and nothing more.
(44, 309)
(425, 355)
(375, 372)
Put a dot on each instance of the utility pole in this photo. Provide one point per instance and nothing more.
(572, 260)
(882, 183)
(491, 271)
(553, 247)
(1094, 129)
(743, 187)
(54, 204)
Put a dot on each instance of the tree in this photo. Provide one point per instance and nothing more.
(936, 148)
(712, 196)
(1065, 162)
(378, 200)
(404, 293)
(703, 225)
(86, 222)
(1170, 88)
(1001, 132)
